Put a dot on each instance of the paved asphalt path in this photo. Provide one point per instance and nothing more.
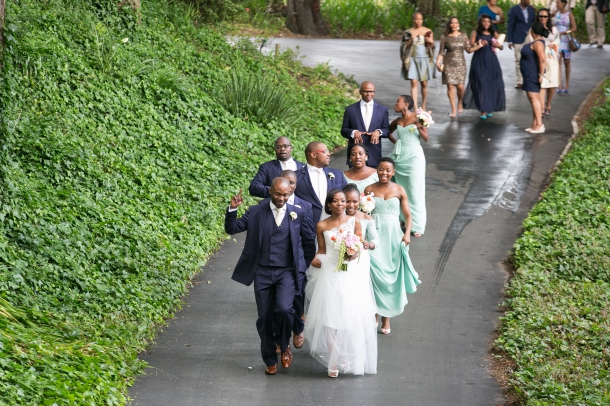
(482, 178)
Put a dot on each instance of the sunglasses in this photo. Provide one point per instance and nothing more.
(543, 16)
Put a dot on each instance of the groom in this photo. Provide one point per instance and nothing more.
(279, 246)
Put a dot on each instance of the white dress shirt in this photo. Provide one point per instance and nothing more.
(289, 164)
(278, 216)
(320, 185)
(367, 116)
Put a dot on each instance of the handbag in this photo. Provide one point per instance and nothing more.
(573, 43)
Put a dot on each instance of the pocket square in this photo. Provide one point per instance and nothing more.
(296, 205)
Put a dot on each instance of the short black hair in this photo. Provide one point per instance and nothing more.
(387, 159)
(329, 198)
(409, 100)
(351, 146)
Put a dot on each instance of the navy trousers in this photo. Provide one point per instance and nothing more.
(274, 290)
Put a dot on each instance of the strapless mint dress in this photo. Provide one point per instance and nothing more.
(411, 173)
(392, 272)
(362, 184)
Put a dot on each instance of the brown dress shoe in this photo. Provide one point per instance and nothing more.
(298, 340)
(271, 369)
(287, 358)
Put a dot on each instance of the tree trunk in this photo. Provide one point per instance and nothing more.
(304, 17)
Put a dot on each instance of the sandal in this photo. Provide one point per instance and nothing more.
(333, 373)
(386, 331)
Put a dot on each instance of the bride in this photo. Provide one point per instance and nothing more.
(340, 325)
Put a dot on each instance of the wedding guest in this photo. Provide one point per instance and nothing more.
(493, 11)
(552, 5)
(316, 179)
(268, 171)
(452, 63)
(520, 20)
(340, 326)
(366, 122)
(566, 25)
(360, 174)
(595, 12)
(299, 297)
(485, 90)
(550, 80)
(417, 55)
(392, 272)
(352, 208)
(409, 161)
(280, 244)
(533, 63)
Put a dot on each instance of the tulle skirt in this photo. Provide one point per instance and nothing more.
(340, 309)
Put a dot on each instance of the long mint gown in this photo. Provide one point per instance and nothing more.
(410, 165)
(392, 272)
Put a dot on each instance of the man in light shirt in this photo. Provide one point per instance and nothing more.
(595, 12)
(268, 171)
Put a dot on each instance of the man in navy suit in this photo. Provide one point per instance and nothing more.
(268, 171)
(279, 246)
(315, 180)
(520, 20)
(366, 122)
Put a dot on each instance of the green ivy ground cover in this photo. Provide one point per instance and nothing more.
(557, 327)
(116, 165)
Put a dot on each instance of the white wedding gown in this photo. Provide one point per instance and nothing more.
(340, 324)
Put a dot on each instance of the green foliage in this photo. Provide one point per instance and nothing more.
(467, 13)
(557, 327)
(116, 165)
(368, 16)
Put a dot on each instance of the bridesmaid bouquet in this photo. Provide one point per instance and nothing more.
(424, 117)
(367, 203)
(348, 244)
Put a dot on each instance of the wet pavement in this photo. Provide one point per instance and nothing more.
(482, 178)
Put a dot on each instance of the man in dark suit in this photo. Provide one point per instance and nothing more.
(268, 171)
(520, 20)
(366, 122)
(595, 12)
(315, 180)
(279, 246)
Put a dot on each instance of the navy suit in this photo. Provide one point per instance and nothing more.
(353, 120)
(268, 171)
(273, 258)
(306, 191)
(517, 26)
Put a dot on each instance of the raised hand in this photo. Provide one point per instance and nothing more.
(237, 200)
(358, 137)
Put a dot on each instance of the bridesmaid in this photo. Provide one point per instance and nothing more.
(453, 64)
(410, 161)
(417, 55)
(352, 204)
(360, 174)
(392, 272)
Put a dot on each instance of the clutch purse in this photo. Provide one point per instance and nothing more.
(501, 38)
(573, 43)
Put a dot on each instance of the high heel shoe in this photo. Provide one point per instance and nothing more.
(333, 373)
(386, 331)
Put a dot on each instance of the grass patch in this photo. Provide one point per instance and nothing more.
(116, 165)
(557, 325)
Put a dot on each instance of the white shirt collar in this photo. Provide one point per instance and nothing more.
(362, 102)
(312, 168)
(290, 200)
(273, 207)
(286, 161)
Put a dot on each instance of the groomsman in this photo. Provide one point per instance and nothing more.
(315, 180)
(366, 122)
(279, 246)
(268, 171)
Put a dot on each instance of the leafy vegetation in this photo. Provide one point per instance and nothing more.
(557, 327)
(116, 164)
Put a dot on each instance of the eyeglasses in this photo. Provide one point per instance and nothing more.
(543, 16)
(279, 147)
(368, 91)
(322, 151)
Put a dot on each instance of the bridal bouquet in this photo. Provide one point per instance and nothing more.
(424, 117)
(348, 244)
(367, 203)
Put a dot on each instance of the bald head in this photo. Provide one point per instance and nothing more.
(367, 91)
(280, 191)
(282, 148)
(291, 177)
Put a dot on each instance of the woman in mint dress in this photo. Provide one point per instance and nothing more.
(410, 161)
(359, 174)
(392, 272)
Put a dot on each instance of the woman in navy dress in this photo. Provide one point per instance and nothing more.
(485, 90)
(532, 65)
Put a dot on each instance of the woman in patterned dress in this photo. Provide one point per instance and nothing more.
(452, 63)
(564, 21)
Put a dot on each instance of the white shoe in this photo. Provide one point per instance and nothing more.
(333, 373)
(538, 131)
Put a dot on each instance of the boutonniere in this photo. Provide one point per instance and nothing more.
(293, 216)
(331, 175)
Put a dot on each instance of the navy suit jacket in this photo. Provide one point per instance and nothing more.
(302, 235)
(517, 27)
(268, 171)
(306, 192)
(353, 120)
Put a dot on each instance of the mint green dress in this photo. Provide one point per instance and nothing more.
(369, 230)
(392, 272)
(410, 165)
(362, 184)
